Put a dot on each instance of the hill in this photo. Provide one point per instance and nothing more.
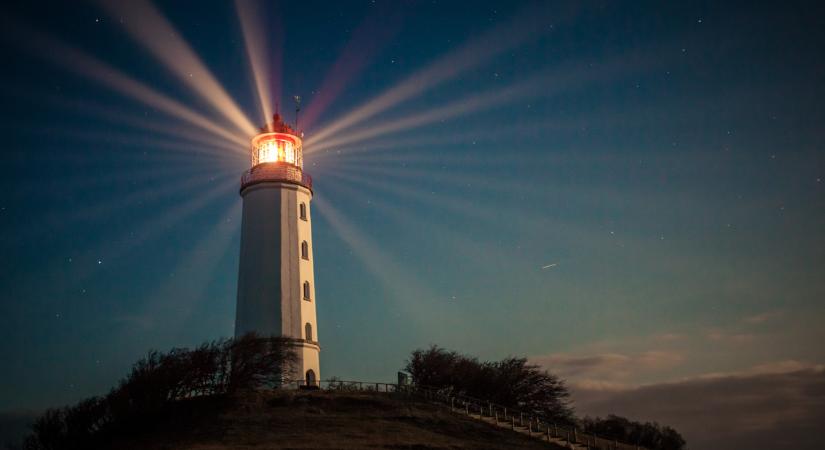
(319, 419)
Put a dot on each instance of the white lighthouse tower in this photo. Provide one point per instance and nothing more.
(276, 285)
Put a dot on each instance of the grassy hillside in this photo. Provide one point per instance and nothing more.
(301, 419)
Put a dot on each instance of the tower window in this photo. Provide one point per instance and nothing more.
(308, 331)
(304, 250)
(306, 290)
(303, 211)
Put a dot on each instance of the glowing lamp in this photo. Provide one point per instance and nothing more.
(277, 148)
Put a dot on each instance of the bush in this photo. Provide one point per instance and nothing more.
(649, 434)
(160, 379)
(511, 382)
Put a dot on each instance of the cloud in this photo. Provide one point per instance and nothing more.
(769, 407)
(608, 368)
(668, 337)
(729, 338)
(761, 318)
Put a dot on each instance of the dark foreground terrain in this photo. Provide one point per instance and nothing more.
(301, 419)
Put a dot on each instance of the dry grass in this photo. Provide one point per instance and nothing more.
(330, 420)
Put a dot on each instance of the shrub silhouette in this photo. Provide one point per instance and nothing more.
(650, 435)
(159, 380)
(511, 382)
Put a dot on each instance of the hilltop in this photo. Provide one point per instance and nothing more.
(319, 419)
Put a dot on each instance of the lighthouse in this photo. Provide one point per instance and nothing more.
(276, 283)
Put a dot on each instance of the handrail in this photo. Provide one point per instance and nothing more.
(536, 424)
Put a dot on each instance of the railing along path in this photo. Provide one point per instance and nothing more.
(531, 424)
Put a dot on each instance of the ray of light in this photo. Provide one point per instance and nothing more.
(155, 191)
(250, 16)
(518, 224)
(436, 196)
(132, 173)
(379, 149)
(80, 63)
(528, 23)
(463, 106)
(369, 38)
(431, 199)
(544, 85)
(511, 217)
(449, 176)
(404, 291)
(181, 131)
(405, 156)
(396, 280)
(147, 25)
(174, 301)
(116, 115)
(128, 174)
(116, 247)
(192, 182)
(450, 241)
(169, 147)
(468, 207)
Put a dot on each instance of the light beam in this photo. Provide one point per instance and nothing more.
(151, 29)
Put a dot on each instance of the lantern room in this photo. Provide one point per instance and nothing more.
(277, 148)
(277, 155)
(277, 143)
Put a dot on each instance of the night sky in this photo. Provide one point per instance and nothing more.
(631, 195)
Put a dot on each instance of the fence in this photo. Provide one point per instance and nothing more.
(533, 424)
